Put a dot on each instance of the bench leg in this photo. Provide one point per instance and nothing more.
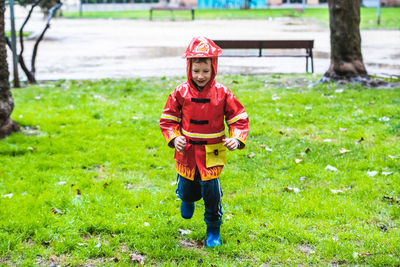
(307, 64)
(312, 63)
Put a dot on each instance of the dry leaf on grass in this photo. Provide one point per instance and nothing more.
(306, 249)
(137, 258)
(331, 168)
(372, 173)
(56, 211)
(298, 160)
(291, 189)
(184, 232)
(337, 191)
(359, 141)
(343, 129)
(344, 150)
(251, 155)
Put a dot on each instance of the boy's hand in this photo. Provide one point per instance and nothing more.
(231, 143)
(180, 143)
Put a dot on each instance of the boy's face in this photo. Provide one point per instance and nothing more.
(201, 72)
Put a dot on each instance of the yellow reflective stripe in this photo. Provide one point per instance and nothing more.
(238, 117)
(170, 117)
(203, 135)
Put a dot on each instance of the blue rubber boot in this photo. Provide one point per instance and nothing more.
(187, 209)
(213, 237)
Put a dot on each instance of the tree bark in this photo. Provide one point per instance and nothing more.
(346, 58)
(7, 125)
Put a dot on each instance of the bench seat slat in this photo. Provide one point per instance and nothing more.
(270, 44)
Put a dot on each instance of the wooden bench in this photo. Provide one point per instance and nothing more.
(308, 45)
(172, 9)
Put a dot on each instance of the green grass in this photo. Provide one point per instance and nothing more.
(26, 34)
(102, 137)
(390, 17)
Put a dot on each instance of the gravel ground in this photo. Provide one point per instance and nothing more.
(105, 48)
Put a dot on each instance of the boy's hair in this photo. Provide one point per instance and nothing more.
(200, 59)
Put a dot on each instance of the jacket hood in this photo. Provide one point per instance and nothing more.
(202, 47)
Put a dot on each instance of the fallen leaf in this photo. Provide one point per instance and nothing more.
(298, 160)
(137, 257)
(291, 189)
(98, 245)
(251, 155)
(384, 118)
(343, 129)
(306, 249)
(307, 150)
(281, 132)
(331, 168)
(115, 259)
(372, 173)
(56, 211)
(105, 185)
(78, 192)
(189, 244)
(344, 150)
(184, 232)
(392, 199)
(387, 173)
(337, 191)
(359, 141)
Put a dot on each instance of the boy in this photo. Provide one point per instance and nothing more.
(192, 122)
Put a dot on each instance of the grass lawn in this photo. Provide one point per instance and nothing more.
(90, 179)
(390, 17)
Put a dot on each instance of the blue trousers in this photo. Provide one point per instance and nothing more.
(210, 191)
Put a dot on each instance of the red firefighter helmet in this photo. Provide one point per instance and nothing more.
(202, 47)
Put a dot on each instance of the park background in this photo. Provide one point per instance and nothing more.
(90, 181)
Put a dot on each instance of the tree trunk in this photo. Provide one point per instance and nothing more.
(346, 58)
(7, 125)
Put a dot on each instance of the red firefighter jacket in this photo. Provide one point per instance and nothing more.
(199, 116)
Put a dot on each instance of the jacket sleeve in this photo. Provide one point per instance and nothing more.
(236, 118)
(171, 117)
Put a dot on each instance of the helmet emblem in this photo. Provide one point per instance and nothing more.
(202, 48)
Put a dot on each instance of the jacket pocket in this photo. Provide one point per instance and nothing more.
(215, 155)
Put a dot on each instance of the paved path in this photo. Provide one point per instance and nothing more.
(101, 48)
